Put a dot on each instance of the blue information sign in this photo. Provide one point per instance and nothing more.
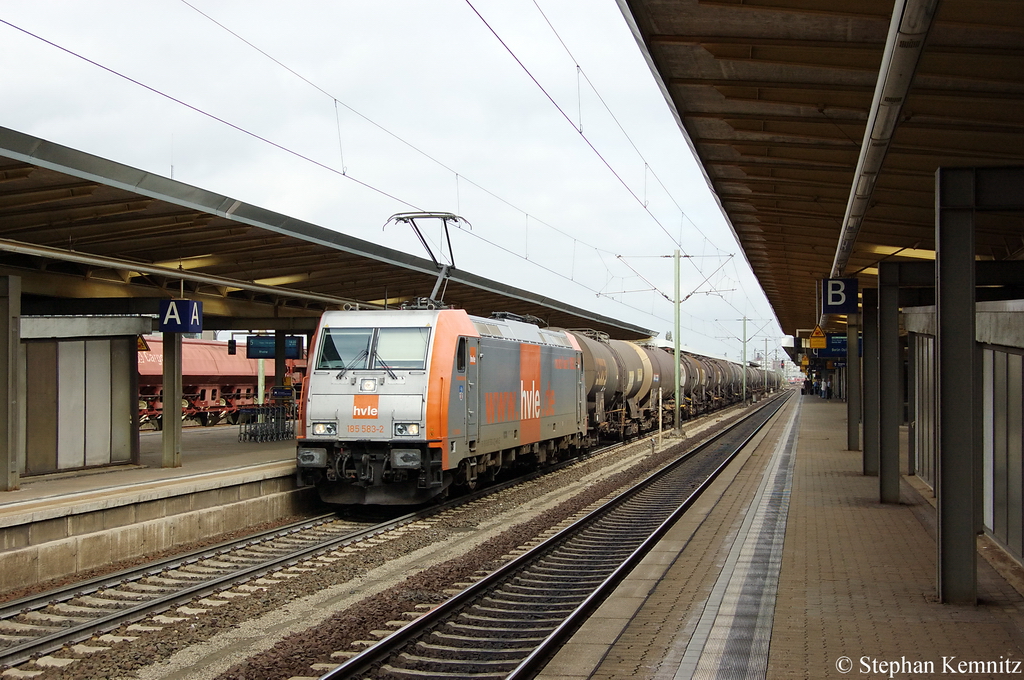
(181, 316)
(262, 347)
(835, 346)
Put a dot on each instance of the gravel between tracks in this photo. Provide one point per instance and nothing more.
(280, 632)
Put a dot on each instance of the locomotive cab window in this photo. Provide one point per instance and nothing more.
(344, 348)
(402, 348)
(460, 356)
(373, 348)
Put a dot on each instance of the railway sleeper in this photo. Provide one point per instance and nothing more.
(8, 626)
(509, 631)
(540, 602)
(549, 584)
(556, 570)
(553, 594)
(533, 602)
(517, 611)
(393, 671)
(538, 590)
(585, 560)
(477, 641)
(556, 594)
(583, 551)
(146, 590)
(459, 665)
(59, 620)
(475, 652)
(70, 609)
(103, 602)
(124, 595)
(169, 581)
(623, 522)
(506, 621)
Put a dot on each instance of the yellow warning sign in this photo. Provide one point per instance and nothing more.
(142, 346)
(804, 361)
(818, 340)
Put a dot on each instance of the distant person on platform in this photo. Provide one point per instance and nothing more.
(807, 386)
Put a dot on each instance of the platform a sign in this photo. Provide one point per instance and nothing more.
(181, 316)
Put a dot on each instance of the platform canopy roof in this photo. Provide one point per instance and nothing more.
(777, 98)
(87, 235)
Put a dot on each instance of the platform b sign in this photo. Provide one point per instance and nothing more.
(181, 316)
(839, 296)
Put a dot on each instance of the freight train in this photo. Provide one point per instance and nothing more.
(215, 384)
(400, 406)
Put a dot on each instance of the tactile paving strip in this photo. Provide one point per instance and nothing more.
(732, 637)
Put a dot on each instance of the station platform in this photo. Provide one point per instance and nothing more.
(790, 567)
(120, 512)
(203, 450)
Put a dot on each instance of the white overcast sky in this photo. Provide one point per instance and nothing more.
(343, 113)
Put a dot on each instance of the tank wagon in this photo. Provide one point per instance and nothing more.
(399, 406)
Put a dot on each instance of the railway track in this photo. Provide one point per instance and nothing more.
(510, 622)
(40, 624)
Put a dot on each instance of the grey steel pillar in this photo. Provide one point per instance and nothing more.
(955, 360)
(11, 425)
(280, 351)
(869, 304)
(890, 388)
(171, 416)
(853, 391)
(912, 369)
(677, 394)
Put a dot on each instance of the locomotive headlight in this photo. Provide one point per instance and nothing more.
(407, 429)
(368, 385)
(325, 428)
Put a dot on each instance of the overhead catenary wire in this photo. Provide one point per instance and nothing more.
(580, 72)
(336, 103)
(430, 157)
(209, 115)
(579, 128)
(342, 173)
(568, 119)
(618, 123)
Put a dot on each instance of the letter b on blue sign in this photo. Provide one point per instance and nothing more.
(839, 296)
(181, 316)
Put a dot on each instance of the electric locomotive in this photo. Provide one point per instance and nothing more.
(399, 405)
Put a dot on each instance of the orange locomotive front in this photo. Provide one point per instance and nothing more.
(401, 405)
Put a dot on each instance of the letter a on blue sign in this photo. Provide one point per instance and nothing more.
(181, 316)
(839, 296)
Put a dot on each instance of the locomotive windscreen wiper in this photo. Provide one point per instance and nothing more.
(344, 368)
(391, 374)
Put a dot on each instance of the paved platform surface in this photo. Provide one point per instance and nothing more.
(207, 454)
(799, 574)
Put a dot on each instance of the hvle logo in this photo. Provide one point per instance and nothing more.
(365, 406)
(529, 401)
